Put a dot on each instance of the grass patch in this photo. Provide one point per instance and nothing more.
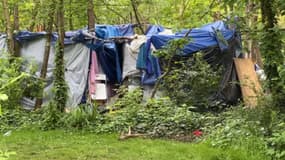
(62, 145)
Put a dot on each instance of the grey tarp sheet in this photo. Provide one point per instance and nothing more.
(33, 52)
(76, 75)
(76, 69)
(130, 52)
(3, 44)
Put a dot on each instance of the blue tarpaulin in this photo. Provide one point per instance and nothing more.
(111, 31)
(71, 37)
(152, 67)
(210, 35)
(200, 38)
(23, 36)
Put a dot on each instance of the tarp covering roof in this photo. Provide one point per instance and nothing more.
(210, 35)
(200, 38)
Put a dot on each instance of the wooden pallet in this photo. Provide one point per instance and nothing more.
(249, 83)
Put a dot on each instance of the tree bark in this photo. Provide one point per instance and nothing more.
(70, 16)
(16, 28)
(9, 28)
(50, 20)
(61, 88)
(272, 45)
(135, 9)
(91, 16)
(34, 15)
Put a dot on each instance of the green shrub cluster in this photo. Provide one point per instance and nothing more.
(15, 83)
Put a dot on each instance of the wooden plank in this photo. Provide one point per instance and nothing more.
(249, 83)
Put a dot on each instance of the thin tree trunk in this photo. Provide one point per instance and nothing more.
(160, 78)
(34, 15)
(70, 16)
(271, 45)
(248, 39)
(134, 5)
(9, 28)
(16, 28)
(61, 88)
(91, 16)
(50, 17)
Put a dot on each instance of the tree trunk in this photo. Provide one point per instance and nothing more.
(34, 15)
(50, 19)
(16, 28)
(9, 28)
(271, 46)
(60, 95)
(91, 16)
(70, 16)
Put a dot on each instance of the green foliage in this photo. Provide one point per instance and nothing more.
(5, 155)
(277, 144)
(15, 83)
(259, 129)
(157, 117)
(51, 117)
(14, 119)
(83, 117)
(60, 87)
(3, 97)
(190, 80)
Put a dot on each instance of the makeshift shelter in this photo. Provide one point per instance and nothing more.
(219, 45)
(117, 53)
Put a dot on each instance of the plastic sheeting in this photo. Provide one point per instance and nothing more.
(3, 44)
(33, 52)
(26, 36)
(76, 71)
(210, 35)
(199, 40)
(130, 52)
(76, 68)
(110, 31)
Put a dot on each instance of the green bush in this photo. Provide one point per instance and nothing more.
(15, 83)
(192, 81)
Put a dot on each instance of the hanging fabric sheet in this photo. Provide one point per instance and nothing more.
(109, 60)
(130, 52)
(94, 70)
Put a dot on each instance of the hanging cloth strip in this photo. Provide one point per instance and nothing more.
(94, 69)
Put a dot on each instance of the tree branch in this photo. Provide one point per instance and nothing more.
(133, 2)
